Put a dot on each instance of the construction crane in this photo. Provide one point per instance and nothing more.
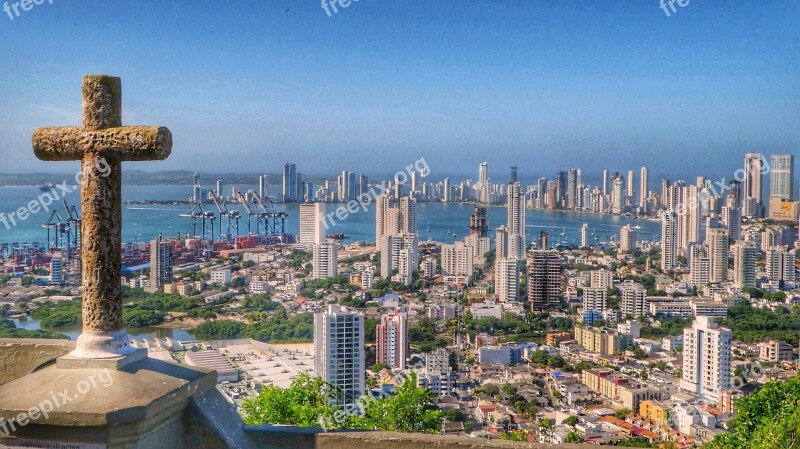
(226, 213)
(198, 213)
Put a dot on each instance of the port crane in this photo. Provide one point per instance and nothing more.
(274, 216)
(252, 213)
(224, 212)
(199, 213)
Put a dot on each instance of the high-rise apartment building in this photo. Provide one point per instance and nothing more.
(160, 263)
(506, 279)
(633, 299)
(781, 177)
(339, 351)
(392, 339)
(718, 254)
(516, 220)
(544, 279)
(781, 265)
(324, 260)
(753, 182)
(744, 264)
(644, 187)
(312, 225)
(627, 239)
(706, 358)
(595, 299)
(669, 240)
(289, 187)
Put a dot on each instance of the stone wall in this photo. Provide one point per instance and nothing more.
(20, 356)
(280, 437)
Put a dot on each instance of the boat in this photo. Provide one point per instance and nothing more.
(338, 236)
(46, 187)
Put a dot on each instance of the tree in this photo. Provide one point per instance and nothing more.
(621, 413)
(411, 409)
(379, 366)
(518, 435)
(570, 421)
(219, 330)
(306, 403)
(545, 427)
(766, 419)
(573, 437)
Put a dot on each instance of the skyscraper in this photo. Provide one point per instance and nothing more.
(699, 265)
(289, 188)
(605, 183)
(339, 351)
(585, 235)
(718, 245)
(617, 196)
(644, 187)
(263, 186)
(516, 221)
(391, 337)
(312, 226)
(544, 279)
(630, 191)
(706, 358)
(753, 179)
(572, 188)
(732, 219)
(744, 264)
(595, 299)
(669, 240)
(394, 217)
(781, 178)
(477, 222)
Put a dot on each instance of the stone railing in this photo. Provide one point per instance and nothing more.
(284, 437)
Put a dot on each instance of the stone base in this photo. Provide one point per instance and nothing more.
(138, 406)
(102, 345)
(72, 361)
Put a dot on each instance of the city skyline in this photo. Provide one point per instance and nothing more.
(657, 92)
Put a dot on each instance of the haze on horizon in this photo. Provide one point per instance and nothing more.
(246, 86)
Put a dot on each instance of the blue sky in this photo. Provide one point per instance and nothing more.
(248, 85)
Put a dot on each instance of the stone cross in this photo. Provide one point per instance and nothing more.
(102, 140)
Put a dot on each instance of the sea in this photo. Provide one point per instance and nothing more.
(442, 222)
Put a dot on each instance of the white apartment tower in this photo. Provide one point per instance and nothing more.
(506, 279)
(706, 359)
(516, 220)
(780, 265)
(669, 240)
(324, 261)
(744, 264)
(627, 239)
(595, 299)
(392, 339)
(339, 351)
(633, 299)
(312, 226)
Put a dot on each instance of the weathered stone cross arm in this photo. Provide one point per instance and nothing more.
(129, 143)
